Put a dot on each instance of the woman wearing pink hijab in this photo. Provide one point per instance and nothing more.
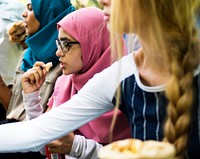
(83, 50)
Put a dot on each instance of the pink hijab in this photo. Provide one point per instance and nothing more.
(87, 26)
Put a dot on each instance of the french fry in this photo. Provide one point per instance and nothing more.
(48, 66)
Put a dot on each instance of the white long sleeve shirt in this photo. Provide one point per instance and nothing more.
(94, 99)
(81, 147)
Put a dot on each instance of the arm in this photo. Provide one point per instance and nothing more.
(75, 146)
(32, 104)
(33, 135)
(32, 80)
(81, 108)
(62, 145)
(5, 94)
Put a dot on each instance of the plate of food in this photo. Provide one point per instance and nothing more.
(137, 149)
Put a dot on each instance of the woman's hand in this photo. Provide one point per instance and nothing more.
(62, 145)
(17, 34)
(33, 79)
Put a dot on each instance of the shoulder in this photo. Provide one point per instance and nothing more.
(119, 70)
(126, 65)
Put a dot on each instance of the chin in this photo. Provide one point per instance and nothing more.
(108, 26)
(27, 32)
(65, 72)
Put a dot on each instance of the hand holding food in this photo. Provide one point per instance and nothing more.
(33, 79)
(137, 149)
(17, 33)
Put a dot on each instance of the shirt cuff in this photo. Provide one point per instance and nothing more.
(76, 149)
(31, 99)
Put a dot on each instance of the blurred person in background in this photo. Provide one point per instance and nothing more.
(10, 12)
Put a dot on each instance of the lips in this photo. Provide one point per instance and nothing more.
(25, 24)
(61, 65)
(106, 17)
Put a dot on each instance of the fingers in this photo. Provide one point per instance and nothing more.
(54, 150)
(44, 66)
(55, 147)
(62, 145)
(17, 32)
(36, 76)
(39, 63)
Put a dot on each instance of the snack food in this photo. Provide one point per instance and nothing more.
(137, 149)
(48, 66)
(17, 33)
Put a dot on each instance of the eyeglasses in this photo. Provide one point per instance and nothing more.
(64, 45)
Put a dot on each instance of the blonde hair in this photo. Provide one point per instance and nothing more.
(177, 38)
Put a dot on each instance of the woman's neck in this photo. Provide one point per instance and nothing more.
(152, 64)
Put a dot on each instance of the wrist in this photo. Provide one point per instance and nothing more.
(77, 146)
(30, 95)
(27, 91)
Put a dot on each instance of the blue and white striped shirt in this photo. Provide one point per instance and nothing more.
(145, 108)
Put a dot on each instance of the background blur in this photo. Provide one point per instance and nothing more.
(79, 3)
(85, 3)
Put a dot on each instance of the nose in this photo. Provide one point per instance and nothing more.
(60, 53)
(24, 13)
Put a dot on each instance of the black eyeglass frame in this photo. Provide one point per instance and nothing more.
(64, 45)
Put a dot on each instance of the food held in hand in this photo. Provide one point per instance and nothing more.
(48, 66)
(17, 33)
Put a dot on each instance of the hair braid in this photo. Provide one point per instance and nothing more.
(180, 91)
(176, 36)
